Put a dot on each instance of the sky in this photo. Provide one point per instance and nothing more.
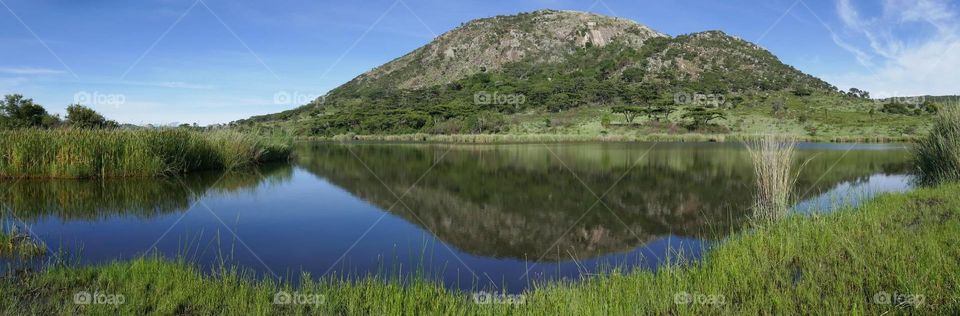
(215, 61)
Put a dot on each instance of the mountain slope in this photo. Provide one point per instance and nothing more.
(487, 73)
(489, 44)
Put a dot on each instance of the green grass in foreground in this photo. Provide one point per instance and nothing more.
(76, 153)
(898, 253)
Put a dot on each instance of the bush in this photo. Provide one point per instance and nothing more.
(937, 156)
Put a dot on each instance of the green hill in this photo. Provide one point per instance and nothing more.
(575, 73)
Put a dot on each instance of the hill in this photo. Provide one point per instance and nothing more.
(567, 72)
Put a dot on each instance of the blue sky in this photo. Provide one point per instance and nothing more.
(214, 61)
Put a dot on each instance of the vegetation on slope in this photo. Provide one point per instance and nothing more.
(546, 64)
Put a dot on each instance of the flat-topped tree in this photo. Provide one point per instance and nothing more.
(629, 113)
(701, 116)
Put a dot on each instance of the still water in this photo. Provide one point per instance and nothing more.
(469, 216)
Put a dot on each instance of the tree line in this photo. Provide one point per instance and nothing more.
(16, 111)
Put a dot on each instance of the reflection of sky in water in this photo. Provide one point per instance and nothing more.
(328, 221)
(852, 193)
(836, 146)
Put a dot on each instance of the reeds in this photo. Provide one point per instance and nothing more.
(937, 156)
(772, 162)
(75, 153)
(15, 244)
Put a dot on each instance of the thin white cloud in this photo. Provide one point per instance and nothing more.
(162, 84)
(924, 61)
(27, 71)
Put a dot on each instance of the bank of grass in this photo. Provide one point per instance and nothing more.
(937, 156)
(79, 153)
(15, 244)
(557, 138)
(897, 253)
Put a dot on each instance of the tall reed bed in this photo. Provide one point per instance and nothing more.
(772, 161)
(76, 153)
(937, 156)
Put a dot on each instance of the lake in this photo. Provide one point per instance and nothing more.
(469, 216)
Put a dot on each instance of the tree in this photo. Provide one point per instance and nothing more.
(19, 112)
(605, 120)
(80, 116)
(778, 106)
(857, 93)
(658, 113)
(630, 113)
(930, 107)
(634, 74)
(701, 117)
(559, 102)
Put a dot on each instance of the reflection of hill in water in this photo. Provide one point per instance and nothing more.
(101, 198)
(517, 201)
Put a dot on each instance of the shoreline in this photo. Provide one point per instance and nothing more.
(883, 256)
(561, 138)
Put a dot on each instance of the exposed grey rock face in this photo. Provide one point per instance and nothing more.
(487, 44)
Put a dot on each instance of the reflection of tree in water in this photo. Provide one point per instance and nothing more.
(516, 201)
(101, 198)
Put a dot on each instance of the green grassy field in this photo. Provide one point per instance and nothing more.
(896, 254)
(76, 153)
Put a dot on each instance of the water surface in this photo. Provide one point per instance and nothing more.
(471, 216)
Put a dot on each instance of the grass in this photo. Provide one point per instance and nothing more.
(772, 160)
(76, 153)
(17, 245)
(937, 156)
(895, 254)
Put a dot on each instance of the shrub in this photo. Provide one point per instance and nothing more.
(937, 156)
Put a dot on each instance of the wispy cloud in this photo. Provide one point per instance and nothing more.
(162, 84)
(30, 71)
(911, 47)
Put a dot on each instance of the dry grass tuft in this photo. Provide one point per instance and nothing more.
(772, 162)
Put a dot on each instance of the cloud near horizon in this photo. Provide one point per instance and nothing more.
(927, 64)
